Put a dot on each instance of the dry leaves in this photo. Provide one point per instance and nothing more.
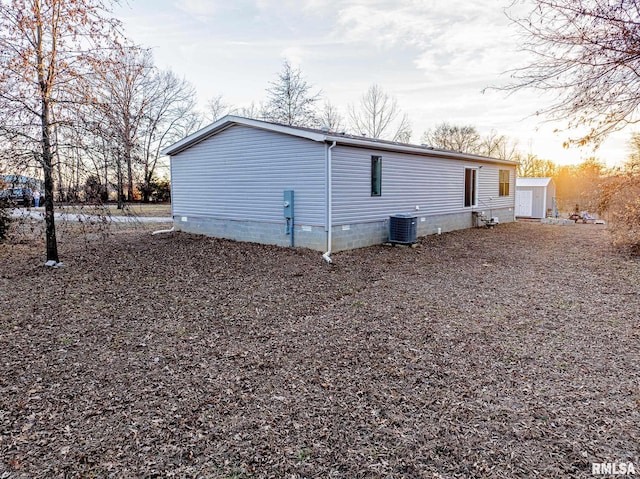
(499, 353)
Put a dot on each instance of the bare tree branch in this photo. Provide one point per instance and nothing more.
(290, 100)
(331, 118)
(376, 115)
(587, 56)
(47, 50)
(217, 108)
(452, 137)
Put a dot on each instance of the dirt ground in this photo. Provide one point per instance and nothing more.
(501, 353)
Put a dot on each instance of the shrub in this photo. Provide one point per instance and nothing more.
(160, 189)
(5, 220)
(94, 190)
(621, 199)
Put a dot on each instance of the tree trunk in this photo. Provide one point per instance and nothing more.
(47, 166)
(146, 187)
(77, 185)
(47, 154)
(120, 184)
(104, 194)
(127, 154)
(61, 193)
(129, 178)
(52, 243)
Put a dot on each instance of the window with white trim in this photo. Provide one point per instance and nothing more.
(504, 182)
(470, 187)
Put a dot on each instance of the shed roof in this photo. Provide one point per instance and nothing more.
(533, 181)
(321, 136)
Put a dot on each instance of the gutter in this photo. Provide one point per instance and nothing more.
(414, 149)
(327, 256)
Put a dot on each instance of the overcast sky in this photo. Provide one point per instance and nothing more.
(434, 56)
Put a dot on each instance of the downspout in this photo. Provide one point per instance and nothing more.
(327, 255)
(170, 230)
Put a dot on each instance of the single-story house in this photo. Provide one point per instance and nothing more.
(252, 180)
(535, 197)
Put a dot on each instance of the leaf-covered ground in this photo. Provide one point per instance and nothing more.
(499, 353)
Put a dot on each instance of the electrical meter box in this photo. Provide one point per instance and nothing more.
(288, 204)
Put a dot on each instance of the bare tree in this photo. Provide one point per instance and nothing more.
(256, 112)
(5, 217)
(633, 162)
(376, 116)
(530, 166)
(169, 115)
(403, 130)
(453, 137)
(496, 145)
(586, 56)
(467, 139)
(290, 99)
(145, 110)
(216, 108)
(331, 118)
(620, 198)
(124, 104)
(48, 48)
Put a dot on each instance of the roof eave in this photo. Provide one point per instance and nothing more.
(229, 120)
(418, 150)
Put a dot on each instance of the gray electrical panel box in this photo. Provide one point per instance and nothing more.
(288, 204)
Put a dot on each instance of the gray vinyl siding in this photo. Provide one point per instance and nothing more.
(541, 200)
(489, 187)
(435, 185)
(551, 193)
(241, 173)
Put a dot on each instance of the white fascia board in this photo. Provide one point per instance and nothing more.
(229, 120)
(417, 150)
(193, 138)
(310, 135)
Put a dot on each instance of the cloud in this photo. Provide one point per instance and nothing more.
(450, 39)
(201, 9)
(383, 27)
(435, 56)
(294, 54)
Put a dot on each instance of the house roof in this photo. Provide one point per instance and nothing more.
(321, 136)
(533, 181)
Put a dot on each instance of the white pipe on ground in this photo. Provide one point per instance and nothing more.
(170, 230)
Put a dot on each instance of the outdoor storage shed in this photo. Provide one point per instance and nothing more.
(251, 180)
(535, 197)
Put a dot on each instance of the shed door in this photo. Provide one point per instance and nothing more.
(524, 203)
